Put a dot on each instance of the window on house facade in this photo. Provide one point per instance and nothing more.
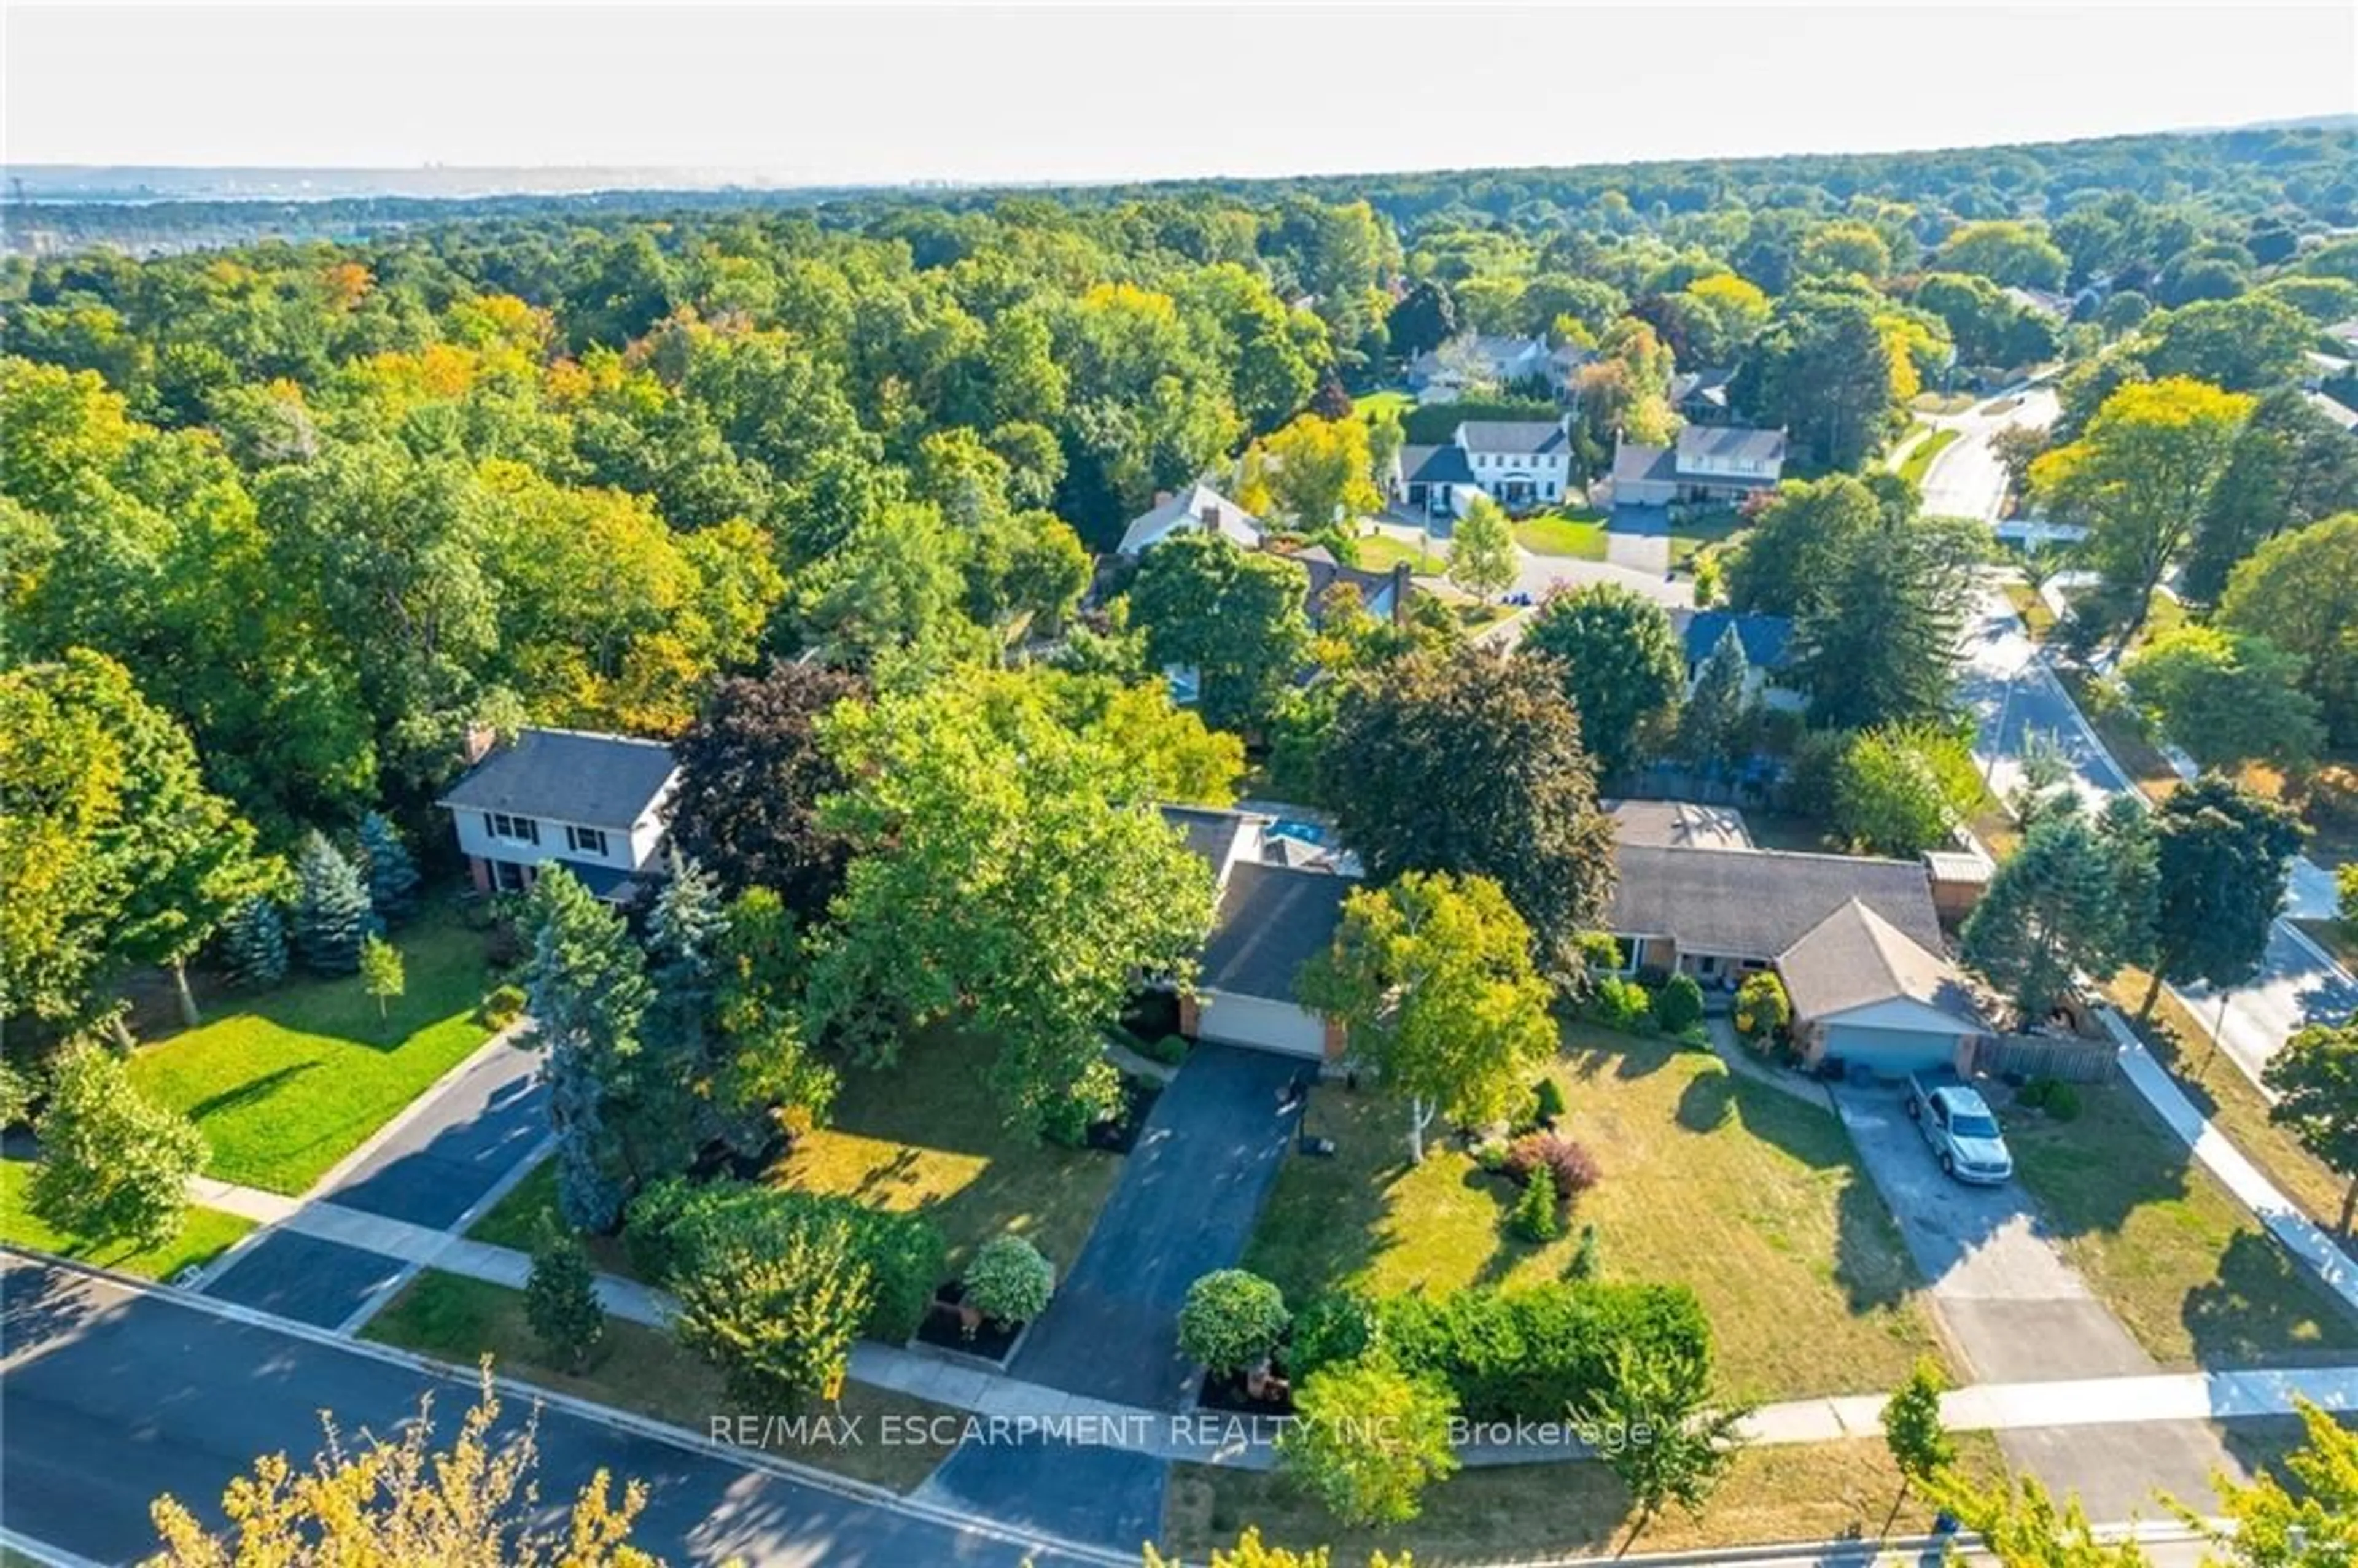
(586, 840)
(514, 829)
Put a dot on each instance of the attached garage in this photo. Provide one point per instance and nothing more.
(1867, 996)
(1257, 1021)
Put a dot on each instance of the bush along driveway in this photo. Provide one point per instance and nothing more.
(1189, 1194)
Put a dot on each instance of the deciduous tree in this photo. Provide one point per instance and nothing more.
(2315, 1080)
(1922, 1448)
(114, 1166)
(2300, 591)
(1236, 618)
(1620, 664)
(382, 975)
(752, 773)
(2227, 697)
(1432, 979)
(1674, 1442)
(1482, 550)
(1367, 1440)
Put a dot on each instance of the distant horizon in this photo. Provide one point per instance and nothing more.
(976, 97)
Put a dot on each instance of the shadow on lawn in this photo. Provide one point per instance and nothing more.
(250, 1092)
(2263, 1308)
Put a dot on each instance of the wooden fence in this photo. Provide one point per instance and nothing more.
(2069, 1057)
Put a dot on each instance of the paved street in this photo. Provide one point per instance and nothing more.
(2013, 697)
(110, 1396)
(1966, 479)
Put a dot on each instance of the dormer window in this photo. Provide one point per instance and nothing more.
(586, 840)
(514, 829)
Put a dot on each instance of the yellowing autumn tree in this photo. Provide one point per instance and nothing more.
(1313, 473)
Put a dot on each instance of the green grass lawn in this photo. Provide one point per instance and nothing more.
(2037, 618)
(1816, 1491)
(1700, 531)
(927, 1134)
(637, 1368)
(1918, 460)
(1753, 1199)
(206, 1234)
(2190, 1274)
(1372, 405)
(290, 1082)
(1576, 532)
(1381, 552)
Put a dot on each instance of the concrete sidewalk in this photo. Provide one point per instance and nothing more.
(2318, 1252)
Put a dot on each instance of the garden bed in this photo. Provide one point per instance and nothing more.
(1120, 1135)
(1227, 1393)
(945, 1329)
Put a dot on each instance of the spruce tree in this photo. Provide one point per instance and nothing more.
(560, 1299)
(392, 874)
(254, 944)
(1712, 726)
(685, 935)
(590, 995)
(331, 909)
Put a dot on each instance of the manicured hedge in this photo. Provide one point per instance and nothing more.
(674, 1223)
(1535, 1351)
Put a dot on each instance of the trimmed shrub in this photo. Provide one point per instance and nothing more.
(1335, 1328)
(1586, 1261)
(1491, 1155)
(1535, 1217)
(1096, 1096)
(1551, 1106)
(1678, 1007)
(1621, 1004)
(1231, 1320)
(2063, 1102)
(2033, 1094)
(1762, 1009)
(1536, 1350)
(1170, 1049)
(678, 1227)
(1009, 1279)
(1571, 1167)
(501, 1006)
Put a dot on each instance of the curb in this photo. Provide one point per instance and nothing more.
(865, 1493)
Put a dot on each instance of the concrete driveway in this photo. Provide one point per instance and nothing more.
(2017, 1312)
(2016, 1309)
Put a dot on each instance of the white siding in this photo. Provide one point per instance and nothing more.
(1254, 1021)
(628, 848)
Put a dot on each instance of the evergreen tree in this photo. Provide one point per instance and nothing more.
(332, 908)
(684, 943)
(2223, 855)
(392, 874)
(560, 1299)
(254, 944)
(2062, 905)
(589, 994)
(1712, 728)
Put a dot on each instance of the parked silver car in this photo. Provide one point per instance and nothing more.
(1956, 1121)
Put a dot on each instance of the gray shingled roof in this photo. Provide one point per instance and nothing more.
(1755, 904)
(1210, 833)
(1854, 957)
(1435, 465)
(1271, 921)
(568, 776)
(1521, 437)
(1723, 441)
(1766, 639)
(1633, 465)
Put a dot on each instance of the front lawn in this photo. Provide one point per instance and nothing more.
(1576, 532)
(1381, 552)
(1819, 1492)
(1700, 531)
(1753, 1199)
(292, 1081)
(928, 1134)
(638, 1368)
(1373, 405)
(2188, 1272)
(205, 1235)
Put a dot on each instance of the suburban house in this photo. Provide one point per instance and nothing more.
(1767, 642)
(1475, 363)
(1278, 904)
(593, 803)
(1700, 395)
(1517, 463)
(1857, 941)
(1384, 595)
(1198, 506)
(1720, 464)
(1677, 825)
(2341, 414)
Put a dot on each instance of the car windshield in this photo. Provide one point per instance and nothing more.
(1968, 1124)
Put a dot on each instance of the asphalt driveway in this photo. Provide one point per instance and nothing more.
(1186, 1202)
(458, 1146)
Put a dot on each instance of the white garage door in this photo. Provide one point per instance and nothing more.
(1890, 1052)
(1250, 1021)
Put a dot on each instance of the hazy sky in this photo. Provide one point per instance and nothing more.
(890, 92)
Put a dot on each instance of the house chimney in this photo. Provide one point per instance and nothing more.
(1211, 516)
(1162, 497)
(477, 743)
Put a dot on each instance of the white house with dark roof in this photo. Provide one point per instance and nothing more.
(1478, 363)
(1199, 507)
(1708, 463)
(1278, 905)
(1518, 463)
(592, 803)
